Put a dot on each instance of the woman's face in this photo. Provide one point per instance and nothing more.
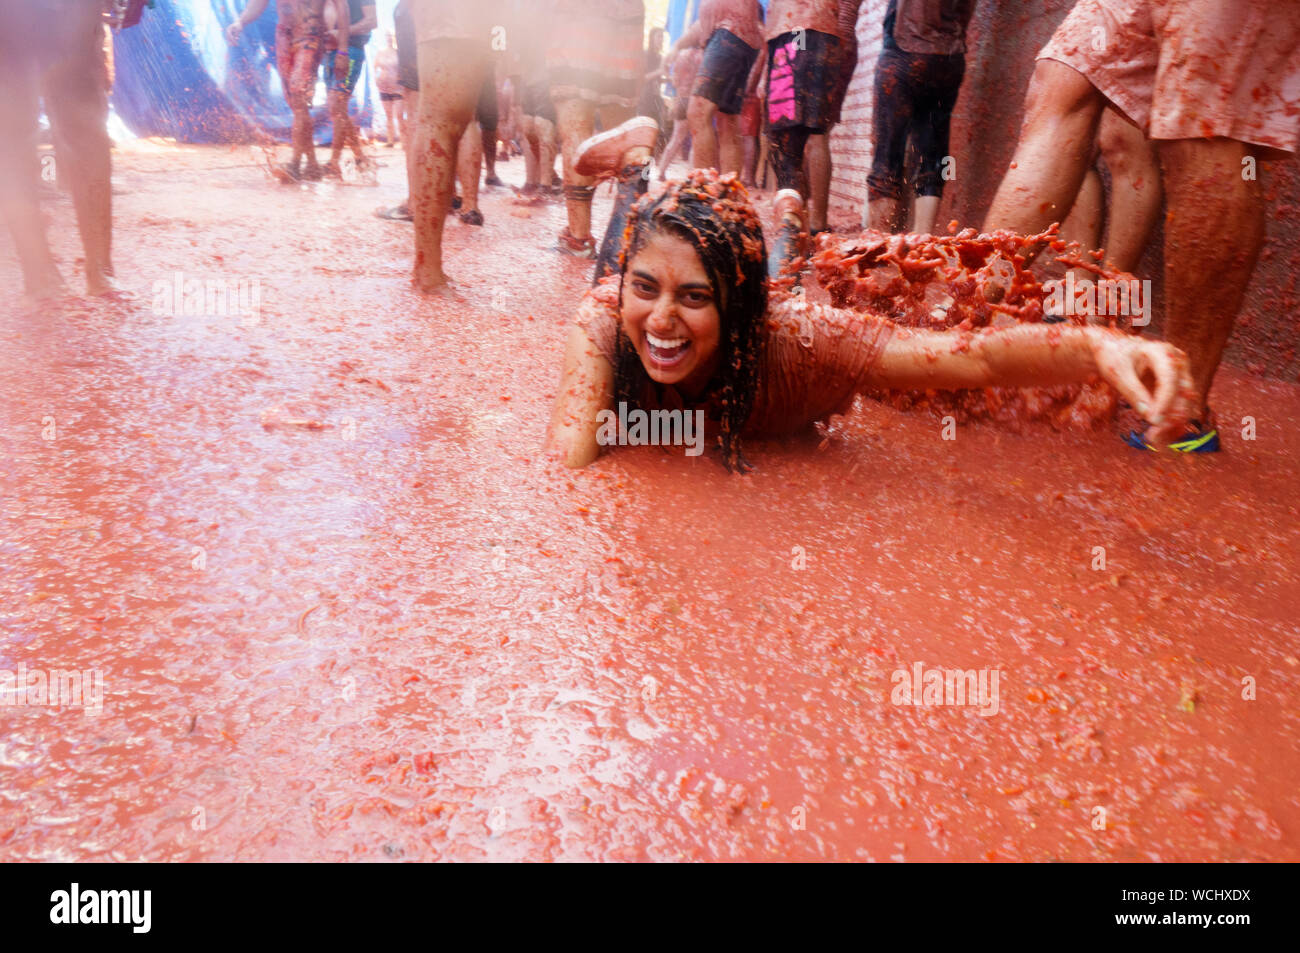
(670, 314)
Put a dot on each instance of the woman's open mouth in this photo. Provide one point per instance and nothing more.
(666, 352)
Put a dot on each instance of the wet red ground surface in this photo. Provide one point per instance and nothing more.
(407, 635)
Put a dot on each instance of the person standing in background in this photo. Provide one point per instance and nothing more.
(730, 33)
(682, 65)
(299, 39)
(348, 23)
(454, 61)
(55, 50)
(803, 47)
(918, 76)
(595, 59)
(817, 157)
(390, 92)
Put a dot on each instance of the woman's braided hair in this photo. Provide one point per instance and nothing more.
(713, 213)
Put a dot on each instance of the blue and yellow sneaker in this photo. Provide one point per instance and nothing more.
(1200, 439)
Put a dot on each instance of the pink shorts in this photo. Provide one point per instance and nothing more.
(1192, 69)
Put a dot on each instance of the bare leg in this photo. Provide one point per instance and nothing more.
(532, 151)
(451, 73)
(390, 121)
(467, 167)
(885, 215)
(675, 143)
(729, 143)
(704, 151)
(1135, 189)
(577, 121)
(78, 105)
(925, 209)
(1062, 110)
(817, 157)
(749, 161)
(545, 152)
(1213, 234)
(300, 85)
(410, 131)
(1083, 224)
(488, 148)
(338, 105)
(20, 172)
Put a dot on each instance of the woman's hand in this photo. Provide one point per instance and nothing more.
(1126, 362)
(233, 32)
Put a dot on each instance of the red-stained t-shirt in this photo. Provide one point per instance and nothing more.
(738, 16)
(786, 16)
(816, 360)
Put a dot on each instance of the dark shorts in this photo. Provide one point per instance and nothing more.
(536, 101)
(389, 97)
(914, 97)
(343, 69)
(801, 79)
(724, 71)
(487, 113)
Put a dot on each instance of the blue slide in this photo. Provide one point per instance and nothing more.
(177, 77)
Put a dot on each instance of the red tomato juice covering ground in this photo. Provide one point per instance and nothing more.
(345, 607)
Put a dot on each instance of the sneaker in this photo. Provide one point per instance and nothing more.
(578, 248)
(330, 170)
(1200, 439)
(472, 217)
(312, 174)
(456, 203)
(602, 155)
(493, 181)
(788, 203)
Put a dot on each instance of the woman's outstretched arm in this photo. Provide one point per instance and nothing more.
(1150, 375)
(586, 388)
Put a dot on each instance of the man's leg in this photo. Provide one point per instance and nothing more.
(704, 148)
(1135, 191)
(545, 152)
(891, 122)
(931, 127)
(410, 131)
(302, 84)
(1083, 224)
(451, 73)
(675, 142)
(468, 165)
(818, 161)
(338, 104)
(389, 137)
(1213, 233)
(576, 120)
(78, 105)
(1062, 111)
(729, 142)
(20, 171)
(532, 152)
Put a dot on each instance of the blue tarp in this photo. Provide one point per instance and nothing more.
(176, 76)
